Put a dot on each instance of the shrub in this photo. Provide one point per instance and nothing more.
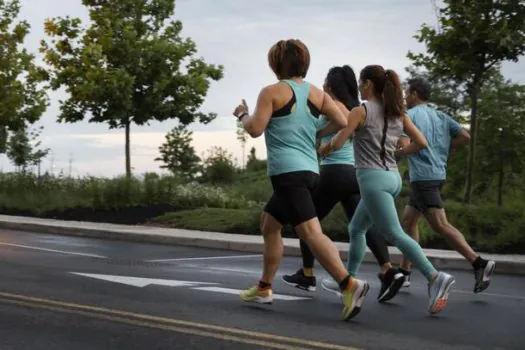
(39, 195)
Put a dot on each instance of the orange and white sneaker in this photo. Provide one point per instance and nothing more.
(258, 295)
(438, 291)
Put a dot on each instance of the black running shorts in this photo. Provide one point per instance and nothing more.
(426, 195)
(291, 202)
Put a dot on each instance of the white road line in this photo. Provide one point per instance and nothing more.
(53, 250)
(497, 295)
(207, 258)
(226, 269)
(237, 291)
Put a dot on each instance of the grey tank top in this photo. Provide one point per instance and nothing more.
(374, 145)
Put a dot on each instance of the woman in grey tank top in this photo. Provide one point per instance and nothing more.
(376, 126)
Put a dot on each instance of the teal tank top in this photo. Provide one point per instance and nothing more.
(290, 139)
(344, 155)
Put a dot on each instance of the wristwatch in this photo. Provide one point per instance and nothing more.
(242, 115)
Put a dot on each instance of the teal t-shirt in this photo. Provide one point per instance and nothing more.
(439, 129)
(290, 139)
(344, 155)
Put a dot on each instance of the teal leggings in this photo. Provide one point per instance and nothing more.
(378, 190)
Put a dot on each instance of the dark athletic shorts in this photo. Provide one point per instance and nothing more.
(292, 202)
(426, 194)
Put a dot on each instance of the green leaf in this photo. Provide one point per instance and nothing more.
(22, 97)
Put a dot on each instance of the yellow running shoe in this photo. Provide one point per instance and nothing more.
(353, 298)
(257, 295)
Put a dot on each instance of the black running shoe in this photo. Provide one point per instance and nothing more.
(406, 273)
(391, 283)
(482, 276)
(299, 280)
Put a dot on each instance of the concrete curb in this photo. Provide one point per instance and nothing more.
(442, 259)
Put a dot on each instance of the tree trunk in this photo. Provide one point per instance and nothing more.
(501, 176)
(501, 172)
(473, 137)
(243, 157)
(128, 153)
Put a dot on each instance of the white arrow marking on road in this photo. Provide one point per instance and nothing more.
(140, 281)
(237, 292)
(143, 282)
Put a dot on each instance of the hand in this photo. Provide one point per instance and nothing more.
(399, 153)
(325, 149)
(241, 109)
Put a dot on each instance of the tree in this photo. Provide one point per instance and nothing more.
(177, 154)
(126, 68)
(254, 164)
(252, 156)
(502, 128)
(242, 137)
(474, 37)
(23, 148)
(219, 166)
(19, 149)
(22, 100)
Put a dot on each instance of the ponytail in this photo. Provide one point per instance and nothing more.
(393, 95)
(343, 83)
(353, 89)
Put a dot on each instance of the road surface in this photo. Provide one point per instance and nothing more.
(61, 292)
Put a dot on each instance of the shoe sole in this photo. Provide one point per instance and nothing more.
(358, 302)
(485, 284)
(259, 300)
(393, 289)
(336, 292)
(441, 302)
(298, 286)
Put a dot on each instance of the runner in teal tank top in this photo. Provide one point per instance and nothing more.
(287, 113)
(376, 128)
(290, 139)
(344, 155)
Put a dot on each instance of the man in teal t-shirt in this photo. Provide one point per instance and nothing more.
(428, 172)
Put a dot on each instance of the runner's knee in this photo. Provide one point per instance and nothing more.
(355, 231)
(309, 229)
(437, 219)
(269, 225)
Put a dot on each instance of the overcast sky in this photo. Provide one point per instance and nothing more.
(237, 34)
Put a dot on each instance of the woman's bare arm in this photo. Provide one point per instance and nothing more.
(256, 123)
(419, 140)
(333, 113)
(356, 118)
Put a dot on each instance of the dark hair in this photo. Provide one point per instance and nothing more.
(421, 87)
(289, 58)
(387, 87)
(343, 83)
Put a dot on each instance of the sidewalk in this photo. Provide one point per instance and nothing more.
(508, 264)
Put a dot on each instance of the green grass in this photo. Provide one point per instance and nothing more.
(245, 221)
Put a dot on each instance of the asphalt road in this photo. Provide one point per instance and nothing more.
(73, 293)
